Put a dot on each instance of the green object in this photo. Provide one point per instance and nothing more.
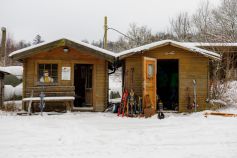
(11, 80)
(174, 80)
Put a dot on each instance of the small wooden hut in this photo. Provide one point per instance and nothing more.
(71, 73)
(167, 69)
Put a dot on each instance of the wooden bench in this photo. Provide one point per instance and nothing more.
(67, 100)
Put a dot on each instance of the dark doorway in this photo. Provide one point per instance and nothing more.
(83, 85)
(168, 83)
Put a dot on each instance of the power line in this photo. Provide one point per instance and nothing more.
(110, 28)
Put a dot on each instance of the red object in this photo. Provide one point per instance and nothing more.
(123, 103)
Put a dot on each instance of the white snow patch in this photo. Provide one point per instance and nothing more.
(49, 98)
(114, 101)
(214, 101)
(18, 90)
(104, 135)
(8, 92)
(115, 82)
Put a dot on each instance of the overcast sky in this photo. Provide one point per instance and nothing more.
(83, 19)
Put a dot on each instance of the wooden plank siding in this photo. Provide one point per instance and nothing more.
(191, 66)
(66, 88)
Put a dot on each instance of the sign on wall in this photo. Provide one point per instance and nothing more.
(66, 73)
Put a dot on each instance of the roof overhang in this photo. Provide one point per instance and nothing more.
(2, 70)
(46, 46)
(151, 46)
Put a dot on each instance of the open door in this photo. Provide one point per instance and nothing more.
(168, 83)
(149, 81)
(83, 85)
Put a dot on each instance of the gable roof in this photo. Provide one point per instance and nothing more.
(181, 45)
(45, 46)
(111, 56)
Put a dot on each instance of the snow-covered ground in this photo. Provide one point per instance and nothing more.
(105, 135)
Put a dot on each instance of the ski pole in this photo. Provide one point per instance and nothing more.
(195, 95)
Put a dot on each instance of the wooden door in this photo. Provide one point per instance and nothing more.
(149, 81)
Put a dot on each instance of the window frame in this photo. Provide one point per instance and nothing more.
(38, 83)
(150, 71)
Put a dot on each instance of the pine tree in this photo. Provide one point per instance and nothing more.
(37, 40)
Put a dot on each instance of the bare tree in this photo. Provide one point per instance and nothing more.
(181, 27)
(202, 22)
(218, 25)
(138, 35)
(225, 18)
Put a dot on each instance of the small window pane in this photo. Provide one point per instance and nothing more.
(150, 70)
(41, 66)
(54, 66)
(54, 73)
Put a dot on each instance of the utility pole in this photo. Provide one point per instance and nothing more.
(3, 47)
(105, 32)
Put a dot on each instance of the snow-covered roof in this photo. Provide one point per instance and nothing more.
(190, 46)
(14, 70)
(154, 45)
(3, 71)
(206, 44)
(61, 42)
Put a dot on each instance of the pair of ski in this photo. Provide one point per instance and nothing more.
(123, 104)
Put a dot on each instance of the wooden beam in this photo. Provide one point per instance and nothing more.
(3, 47)
(220, 114)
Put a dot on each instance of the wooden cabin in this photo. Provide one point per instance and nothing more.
(167, 69)
(71, 73)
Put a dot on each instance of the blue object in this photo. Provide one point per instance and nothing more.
(42, 102)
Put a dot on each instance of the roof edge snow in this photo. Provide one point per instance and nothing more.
(44, 46)
(181, 45)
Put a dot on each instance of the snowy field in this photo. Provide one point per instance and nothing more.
(105, 135)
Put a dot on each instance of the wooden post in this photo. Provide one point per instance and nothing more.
(3, 47)
(105, 32)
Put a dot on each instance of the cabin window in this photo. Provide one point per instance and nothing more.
(48, 73)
